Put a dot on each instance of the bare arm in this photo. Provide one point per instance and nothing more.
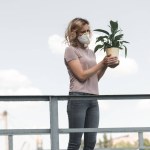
(98, 69)
(101, 72)
(81, 74)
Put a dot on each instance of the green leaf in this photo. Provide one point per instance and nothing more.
(106, 45)
(98, 47)
(111, 36)
(103, 31)
(120, 47)
(118, 37)
(125, 50)
(114, 33)
(115, 44)
(125, 42)
(113, 26)
(101, 38)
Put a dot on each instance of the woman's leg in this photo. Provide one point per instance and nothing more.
(91, 121)
(76, 114)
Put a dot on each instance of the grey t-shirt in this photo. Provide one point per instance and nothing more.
(87, 59)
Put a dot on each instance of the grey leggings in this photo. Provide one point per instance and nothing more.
(82, 114)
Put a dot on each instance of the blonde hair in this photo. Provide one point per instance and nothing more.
(73, 29)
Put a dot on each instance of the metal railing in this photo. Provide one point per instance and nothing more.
(54, 130)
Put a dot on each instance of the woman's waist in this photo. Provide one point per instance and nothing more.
(80, 93)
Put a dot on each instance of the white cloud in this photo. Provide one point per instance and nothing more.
(56, 44)
(15, 83)
(127, 66)
(12, 79)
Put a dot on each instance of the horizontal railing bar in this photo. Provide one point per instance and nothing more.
(66, 97)
(115, 149)
(106, 97)
(136, 148)
(24, 131)
(109, 149)
(73, 130)
(145, 147)
(104, 130)
(24, 98)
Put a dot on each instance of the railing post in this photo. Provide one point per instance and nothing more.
(54, 124)
(10, 142)
(141, 142)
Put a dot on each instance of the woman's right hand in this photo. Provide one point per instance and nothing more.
(110, 61)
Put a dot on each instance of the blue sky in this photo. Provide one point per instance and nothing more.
(31, 58)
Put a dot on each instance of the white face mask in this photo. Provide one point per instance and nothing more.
(84, 38)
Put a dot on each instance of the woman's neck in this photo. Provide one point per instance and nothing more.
(83, 46)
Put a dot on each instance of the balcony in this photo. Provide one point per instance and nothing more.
(54, 130)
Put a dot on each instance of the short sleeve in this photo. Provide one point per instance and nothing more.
(70, 54)
(92, 53)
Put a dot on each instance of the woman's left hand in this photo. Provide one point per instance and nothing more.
(114, 65)
(110, 61)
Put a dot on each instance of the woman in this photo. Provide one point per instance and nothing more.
(84, 75)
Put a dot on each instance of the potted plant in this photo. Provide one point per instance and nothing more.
(111, 42)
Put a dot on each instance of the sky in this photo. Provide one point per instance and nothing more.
(31, 60)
